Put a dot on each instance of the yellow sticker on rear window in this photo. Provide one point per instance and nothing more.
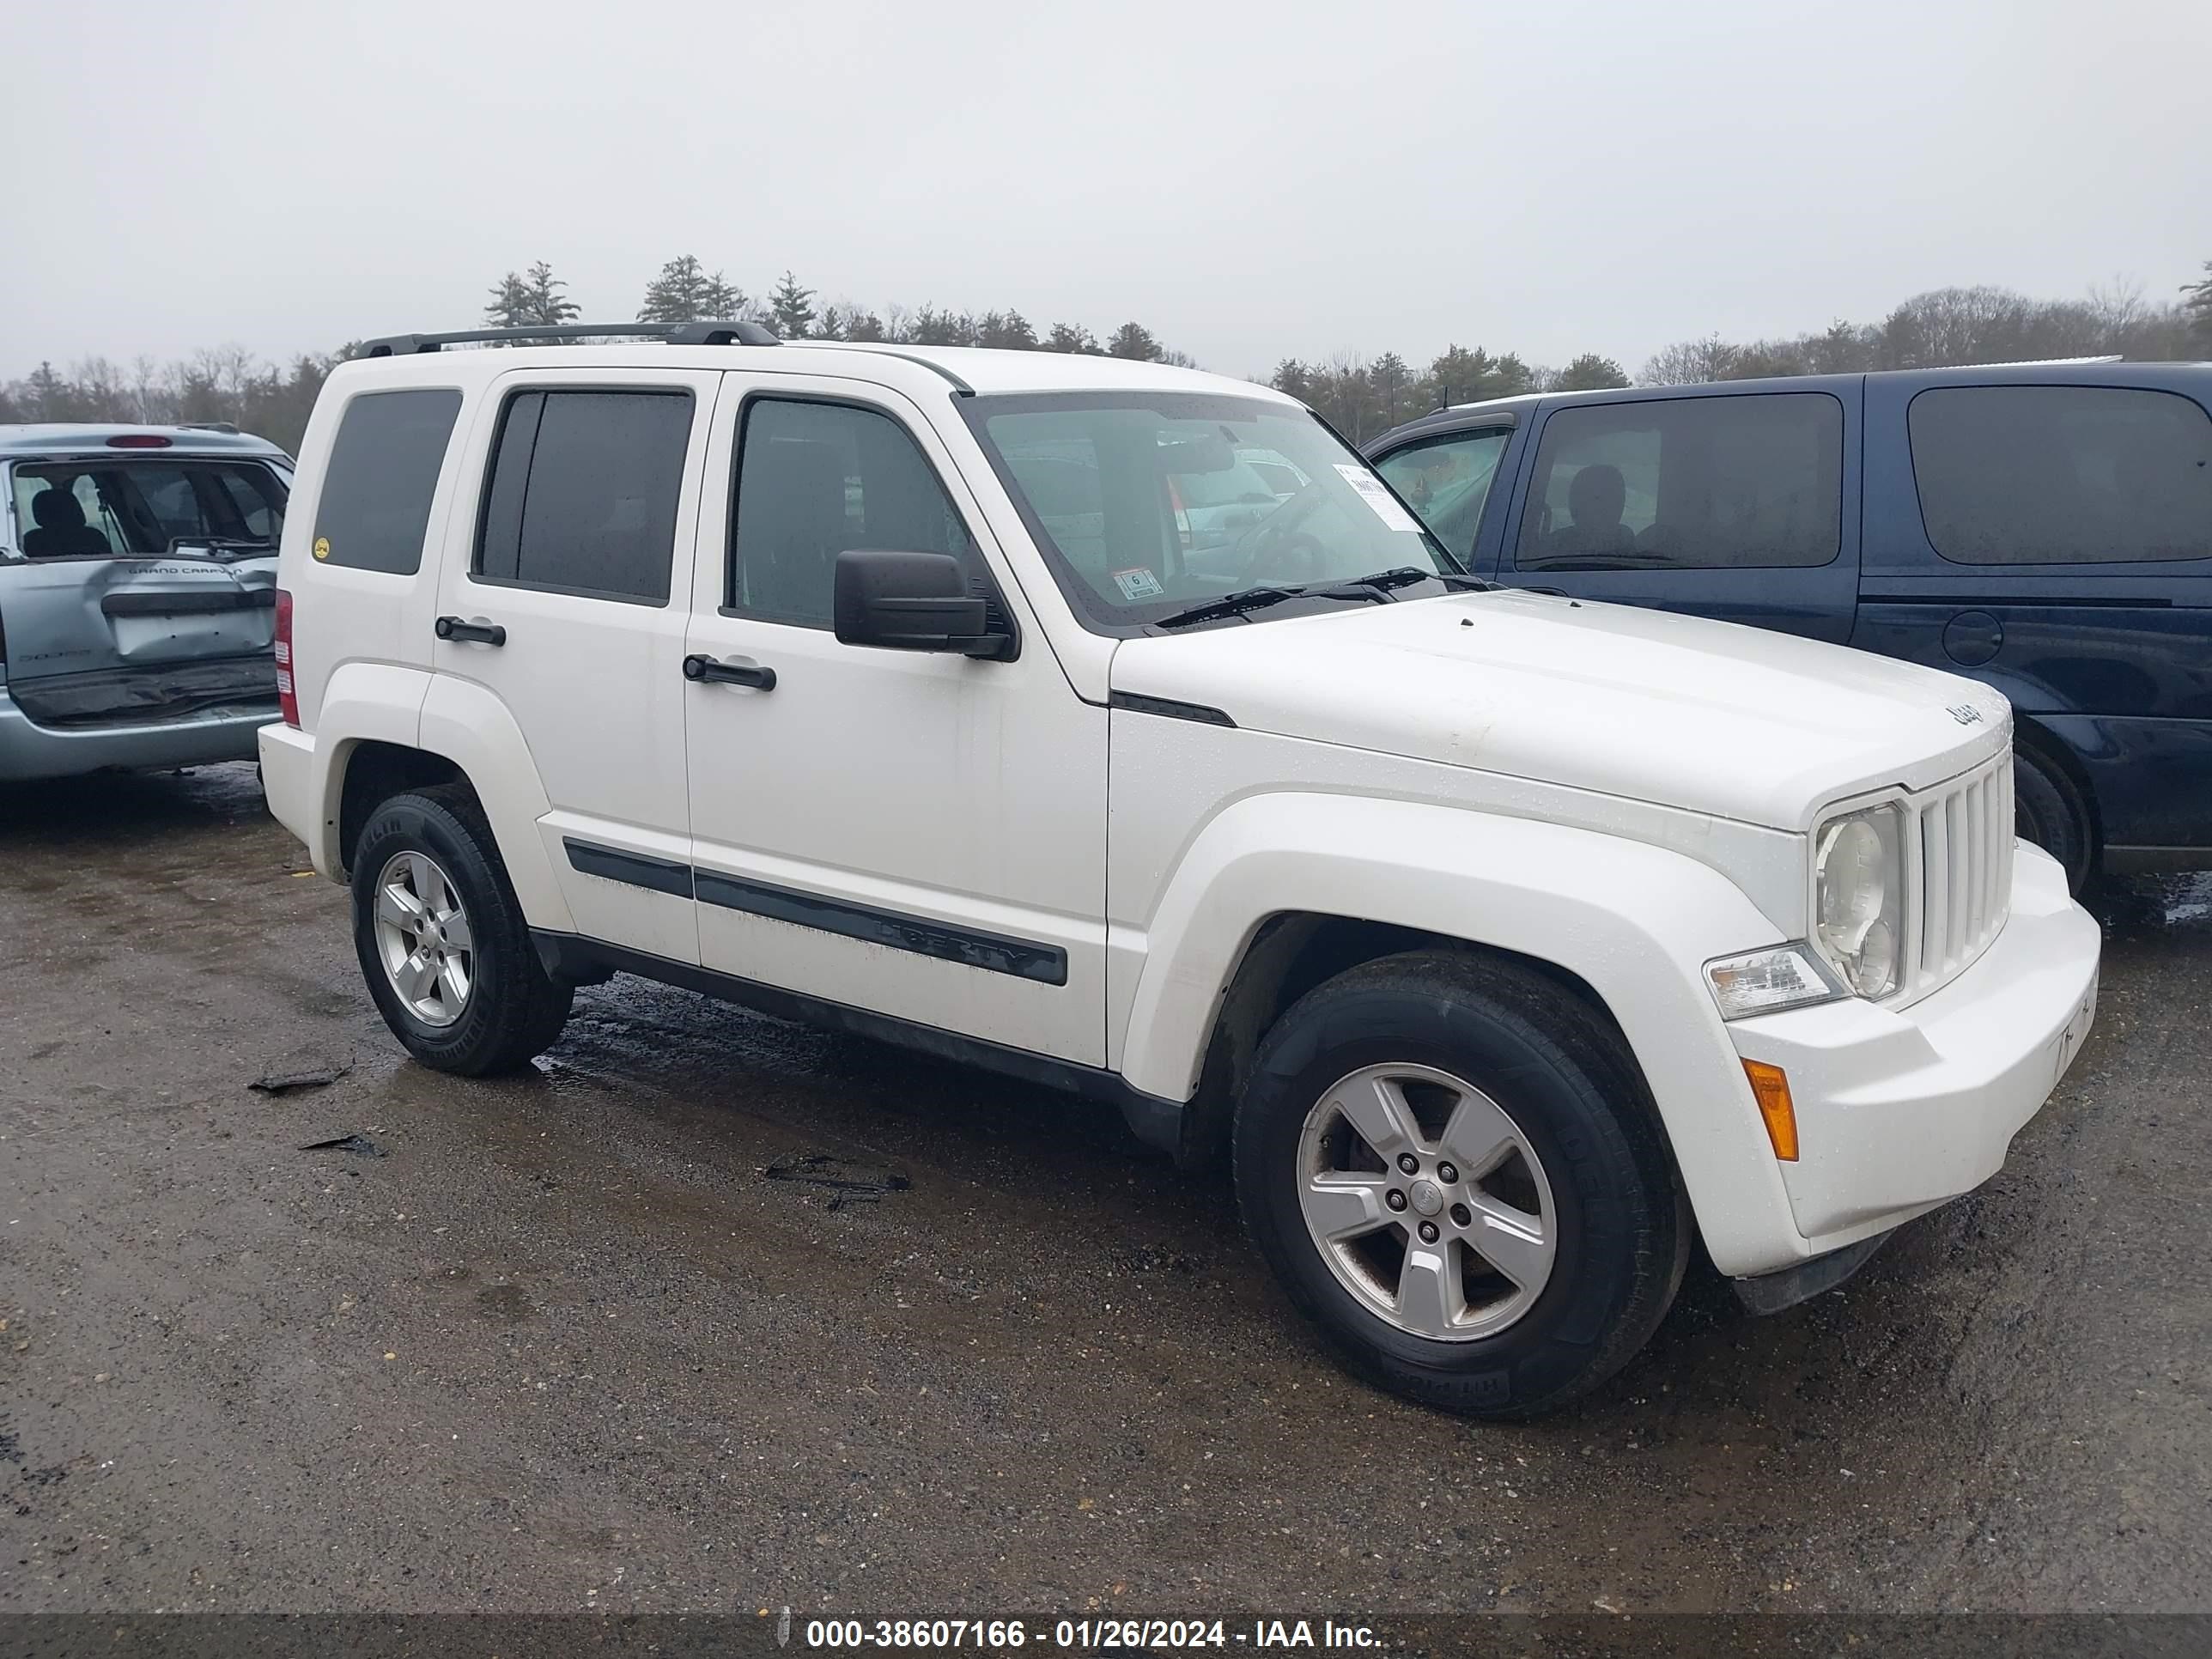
(322, 547)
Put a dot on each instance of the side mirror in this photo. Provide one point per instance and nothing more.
(907, 602)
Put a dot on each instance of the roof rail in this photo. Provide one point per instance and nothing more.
(409, 345)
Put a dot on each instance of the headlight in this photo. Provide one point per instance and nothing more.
(1767, 981)
(1858, 898)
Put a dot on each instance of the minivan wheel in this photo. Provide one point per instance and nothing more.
(2048, 811)
(1454, 1168)
(442, 941)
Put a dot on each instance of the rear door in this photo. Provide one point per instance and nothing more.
(139, 589)
(1742, 505)
(2054, 540)
(563, 592)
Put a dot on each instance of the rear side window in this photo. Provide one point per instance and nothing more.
(815, 480)
(1689, 483)
(583, 492)
(1447, 482)
(383, 471)
(2063, 474)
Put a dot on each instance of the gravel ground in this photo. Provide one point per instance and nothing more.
(564, 1342)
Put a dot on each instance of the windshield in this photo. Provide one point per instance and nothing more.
(1149, 503)
(110, 507)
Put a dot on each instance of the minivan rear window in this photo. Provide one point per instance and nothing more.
(383, 471)
(2063, 474)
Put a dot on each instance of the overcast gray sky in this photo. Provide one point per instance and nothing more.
(1250, 180)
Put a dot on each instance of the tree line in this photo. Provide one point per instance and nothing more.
(1361, 395)
(1952, 326)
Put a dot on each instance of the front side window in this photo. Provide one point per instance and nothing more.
(374, 507)
(1690, 483)
(583, 493)
(1150, 503)
(1446, 481)
(103, 508)
(2063, 474)
(814, 480)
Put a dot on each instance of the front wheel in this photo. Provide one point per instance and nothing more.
(1456, 1171)
(2047, 809)
(442, 941)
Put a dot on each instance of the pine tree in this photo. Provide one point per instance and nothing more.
(792, 307)
(1071, 337)
(510, 302)
(1391, 377)
(678, 295)
(723, 301)
(548, 305)
(1590, 373)
(1135, 340)
(2198, 307)
(1009, 331)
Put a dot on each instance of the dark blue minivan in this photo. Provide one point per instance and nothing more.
(2043, 528)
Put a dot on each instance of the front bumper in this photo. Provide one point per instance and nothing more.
(1900, 1109)
(29, 750)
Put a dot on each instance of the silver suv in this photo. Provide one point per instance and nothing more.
(137, 595)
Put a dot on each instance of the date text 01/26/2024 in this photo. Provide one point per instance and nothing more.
(1088, 1635)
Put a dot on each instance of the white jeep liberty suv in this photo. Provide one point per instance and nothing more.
(1116, 725)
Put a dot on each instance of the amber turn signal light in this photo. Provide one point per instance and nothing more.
(1770, 1085)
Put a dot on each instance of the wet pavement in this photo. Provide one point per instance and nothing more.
(716, 1312)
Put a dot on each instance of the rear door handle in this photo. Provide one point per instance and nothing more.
(476, 633)
(738, 670)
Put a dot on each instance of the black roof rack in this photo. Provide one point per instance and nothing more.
(408, 345)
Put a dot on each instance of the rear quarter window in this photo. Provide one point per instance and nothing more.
(2063, 474)
(383, 471)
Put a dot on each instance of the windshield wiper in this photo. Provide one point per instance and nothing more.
(1230, 605)
(1382, 582)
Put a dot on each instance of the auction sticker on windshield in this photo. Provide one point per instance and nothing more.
(1377, 495)
(1138, 584)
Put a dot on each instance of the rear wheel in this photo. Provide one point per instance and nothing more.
(442, 941)
(2048, 810)
(1454, 1168)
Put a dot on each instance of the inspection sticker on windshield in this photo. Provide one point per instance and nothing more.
(1138, 584)
(1377, 495)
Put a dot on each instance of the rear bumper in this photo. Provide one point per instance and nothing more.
(289, 785)
(29, 750)
(1900, 1109)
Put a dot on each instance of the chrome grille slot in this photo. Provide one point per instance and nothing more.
(1964, 833)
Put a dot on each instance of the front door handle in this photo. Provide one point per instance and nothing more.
(476, 633)
(738, 670)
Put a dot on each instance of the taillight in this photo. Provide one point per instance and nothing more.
(288, 695)
(139, 441)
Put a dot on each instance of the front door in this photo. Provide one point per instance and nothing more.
(912, 834)
(563, 594)
(1743, 506)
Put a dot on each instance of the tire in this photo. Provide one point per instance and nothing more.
(1588, 1155)
(2048, 810)
(506, 1009)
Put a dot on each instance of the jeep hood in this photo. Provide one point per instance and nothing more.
(1682, 711)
